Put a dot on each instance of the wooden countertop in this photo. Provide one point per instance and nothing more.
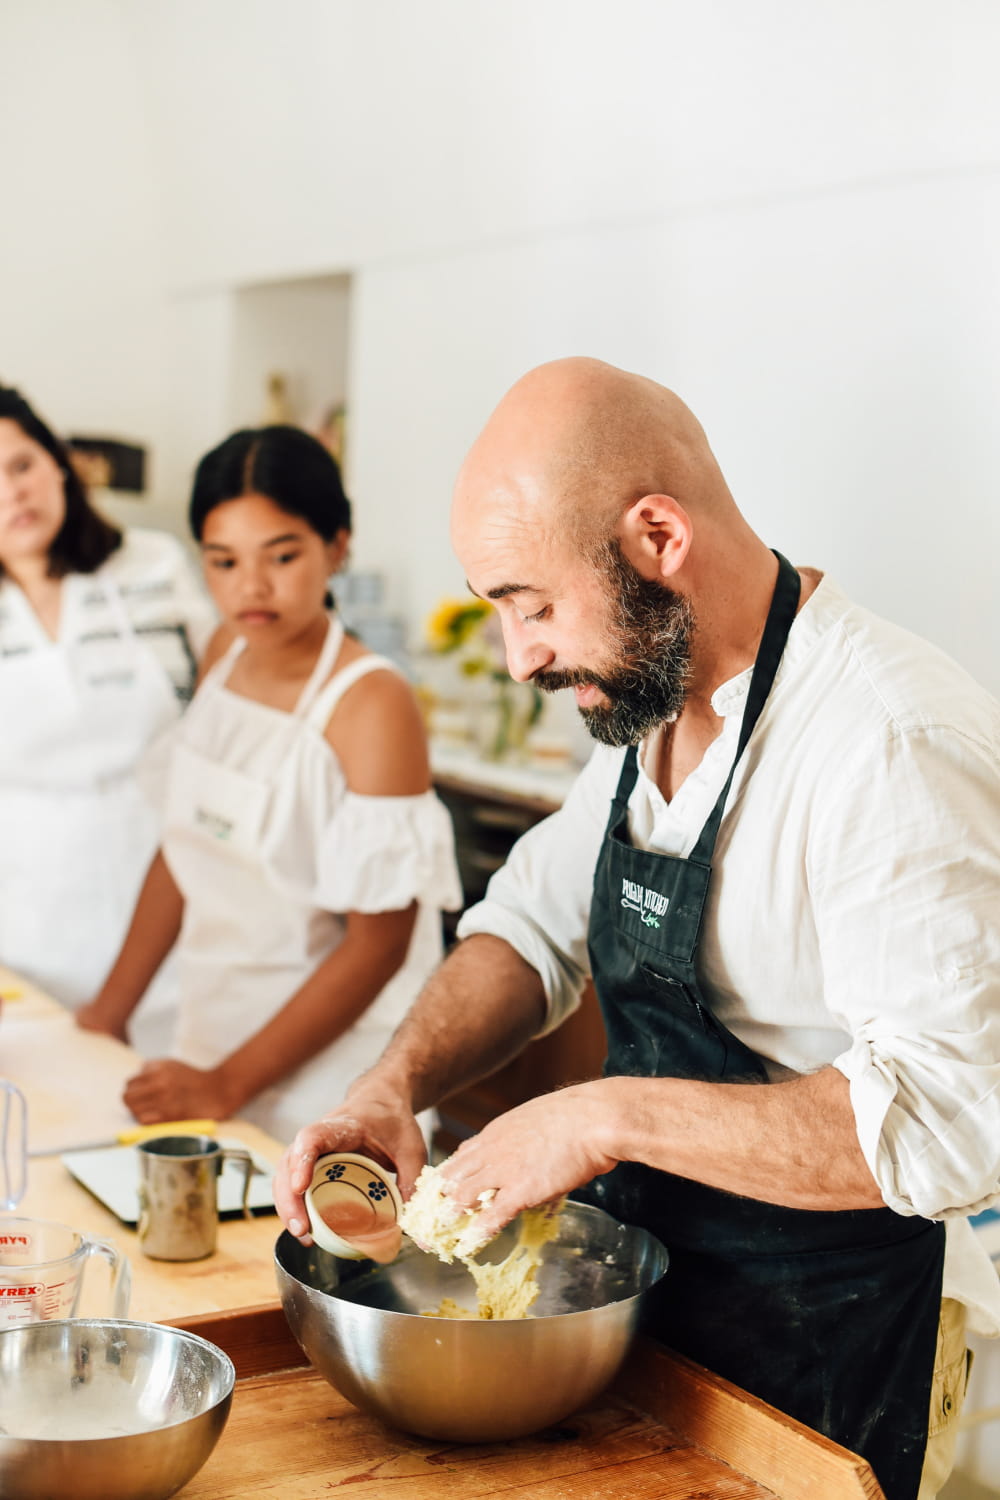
(73, 1081)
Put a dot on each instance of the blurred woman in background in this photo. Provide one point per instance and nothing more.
(99, 631)
(305, 859)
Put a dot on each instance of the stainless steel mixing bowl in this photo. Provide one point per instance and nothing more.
(471, 1381)
(102, 1409)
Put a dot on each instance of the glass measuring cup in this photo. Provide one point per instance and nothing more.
(41, 1271)
(13, 1145)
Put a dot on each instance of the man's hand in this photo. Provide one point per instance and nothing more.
(374, 1121)
(168, 1090)
(539, 1151)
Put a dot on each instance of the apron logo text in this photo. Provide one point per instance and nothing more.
(650, 905)
(218, 827)
(120, 679)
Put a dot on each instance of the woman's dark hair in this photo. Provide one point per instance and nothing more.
(85, 539)
(284, 463)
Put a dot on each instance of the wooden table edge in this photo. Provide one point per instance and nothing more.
(756, 1439)
(729, 1424)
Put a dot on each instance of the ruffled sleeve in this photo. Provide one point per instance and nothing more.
(381, 853)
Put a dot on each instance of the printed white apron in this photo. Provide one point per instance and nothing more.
(247, 945)
(76, 835)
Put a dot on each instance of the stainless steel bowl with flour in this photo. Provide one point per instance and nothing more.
(105, 1409)
(365, 1329)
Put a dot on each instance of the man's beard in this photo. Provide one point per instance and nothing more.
(646, 687)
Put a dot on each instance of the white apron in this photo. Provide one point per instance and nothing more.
(251, 936)
(76, 835)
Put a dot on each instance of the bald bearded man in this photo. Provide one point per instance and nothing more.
(781, 869)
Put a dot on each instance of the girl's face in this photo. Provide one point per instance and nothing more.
(32, 496)
(267, 570)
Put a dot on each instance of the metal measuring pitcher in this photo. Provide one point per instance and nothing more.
(178, 1194)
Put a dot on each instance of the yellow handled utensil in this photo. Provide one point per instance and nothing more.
(136, 1133)
(131, 1136)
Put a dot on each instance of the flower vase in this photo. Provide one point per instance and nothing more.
(504, 716)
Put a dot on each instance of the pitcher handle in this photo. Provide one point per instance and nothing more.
(242, 1155)
(121, 1274)
(13, 1145)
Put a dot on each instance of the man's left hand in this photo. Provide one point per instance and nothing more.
(534, 1153)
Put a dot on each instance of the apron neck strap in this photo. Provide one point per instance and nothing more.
(627, 779)
(780, 616)
(329, 652)
(219, 671)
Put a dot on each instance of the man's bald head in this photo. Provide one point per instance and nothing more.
(592, 512)
(574, 442)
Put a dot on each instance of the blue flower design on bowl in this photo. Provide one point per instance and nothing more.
(377, 1191)
(333, 1173)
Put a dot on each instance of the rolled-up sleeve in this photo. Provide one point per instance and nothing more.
(906, 887)
(539, 901)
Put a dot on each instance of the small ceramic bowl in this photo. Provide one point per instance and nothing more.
(354, 1206)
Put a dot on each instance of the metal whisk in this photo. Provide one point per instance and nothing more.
(13, 1145)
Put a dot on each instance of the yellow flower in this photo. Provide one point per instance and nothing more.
(455, 621)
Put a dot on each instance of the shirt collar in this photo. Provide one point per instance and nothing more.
(825, 605)
(731, 695)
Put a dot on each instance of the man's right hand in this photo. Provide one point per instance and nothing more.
(373, 1121)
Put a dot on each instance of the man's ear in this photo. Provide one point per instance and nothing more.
(655, 534)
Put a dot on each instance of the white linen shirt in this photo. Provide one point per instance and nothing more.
(853, 917)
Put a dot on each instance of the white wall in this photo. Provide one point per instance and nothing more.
(843, 351)
(81, 271)
(790, 213)
(323, 133)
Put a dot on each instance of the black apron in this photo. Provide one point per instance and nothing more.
(830, 1316)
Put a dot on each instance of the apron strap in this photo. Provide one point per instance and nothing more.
(329, 652)
(335, 689)
(626, 781)
(220, 670)
(784, 603)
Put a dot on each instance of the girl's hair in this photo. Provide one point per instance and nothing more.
(284, 463)
(85, 540)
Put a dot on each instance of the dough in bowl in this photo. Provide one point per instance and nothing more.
(438, 1224)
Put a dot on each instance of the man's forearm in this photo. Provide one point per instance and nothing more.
(479, 1010)
(792, 1143)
